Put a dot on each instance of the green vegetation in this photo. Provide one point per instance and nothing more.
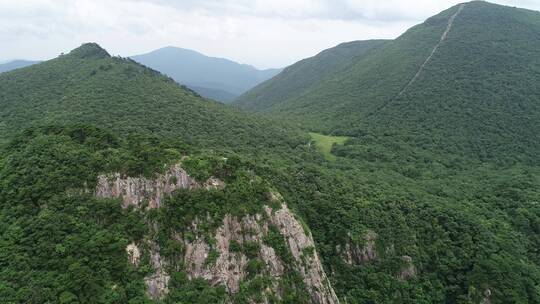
(447, 173)
(478, 95)
(300, 77)
(89, 86)
(244, 194)
(454, 223)
(59, 244)
(458, 230)
(440, 173)
(196, 291)
(239, 198)
(325, 144)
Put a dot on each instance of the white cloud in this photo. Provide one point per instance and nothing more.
(266, 33)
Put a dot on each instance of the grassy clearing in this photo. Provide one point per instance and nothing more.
(324, 144)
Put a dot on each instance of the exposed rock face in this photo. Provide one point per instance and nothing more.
(157, 283)
(214, 184)
(214, 260)
(229, 268)
(134, 254)
(135, 190)
(487, 297)
(275, 267)
(409, 270)
(302, 247)
(359, 255)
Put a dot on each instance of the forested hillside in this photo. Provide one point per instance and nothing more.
(476, 95)
(440, 121)
(66, 238)
(87, 85)
(302, 76)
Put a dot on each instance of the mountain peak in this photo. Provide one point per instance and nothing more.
(212, 77)
(472, 66)
(89, 50)
(486, 5)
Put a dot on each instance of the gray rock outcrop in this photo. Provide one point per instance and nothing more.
(354, 254)
(214, 260)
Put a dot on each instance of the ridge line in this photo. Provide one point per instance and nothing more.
(428, 59)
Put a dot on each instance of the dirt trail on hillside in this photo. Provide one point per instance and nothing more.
(428, 59)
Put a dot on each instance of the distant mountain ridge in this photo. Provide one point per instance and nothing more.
(7, 66)
(215, 78)
(88, 85)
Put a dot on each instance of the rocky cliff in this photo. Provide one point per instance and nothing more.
(135, 191)
(355, 254)
(227, 255)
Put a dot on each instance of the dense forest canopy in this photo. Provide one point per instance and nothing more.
(88, 85)
(438, 184)
(477, 96)
(300, 77)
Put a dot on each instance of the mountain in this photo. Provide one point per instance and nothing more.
(463, 81)
(435, 119)
(77, 87)
(15, 64)
(299, 78)
(209, 76)
(118, 185)
(133, 188)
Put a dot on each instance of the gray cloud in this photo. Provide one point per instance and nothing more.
(389, 10)
(266, 33)
(374, 10)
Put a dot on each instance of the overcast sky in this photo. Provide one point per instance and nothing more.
(264, 33)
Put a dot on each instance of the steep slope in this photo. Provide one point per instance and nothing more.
(89, 86)
(86, 216)
(230, 251)
(81, 224)
(88, 231)
(464, 81)
(15, 64)
(196, 70)
(444, 142)
(81, 192)
(302, 76)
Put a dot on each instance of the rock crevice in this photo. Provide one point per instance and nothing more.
(135, 191)
(215, 256)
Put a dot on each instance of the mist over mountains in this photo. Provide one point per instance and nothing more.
(217, 78)
(15, 64)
